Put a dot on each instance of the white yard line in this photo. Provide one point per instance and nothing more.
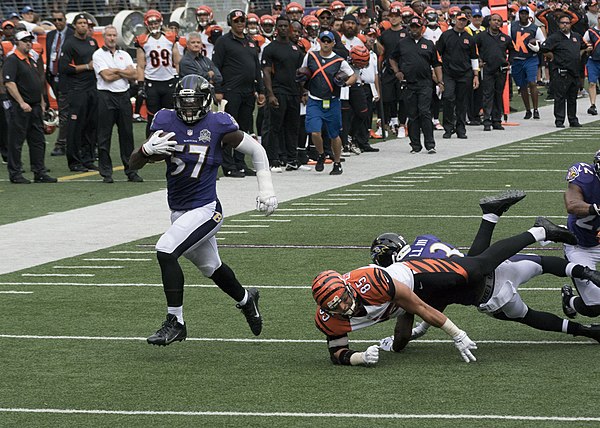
(334, 415)
(310, 341)
(59, 274)
(87, 267)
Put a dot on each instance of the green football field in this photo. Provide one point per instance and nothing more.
(72, 335)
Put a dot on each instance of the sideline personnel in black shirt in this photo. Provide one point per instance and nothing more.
(280, 60)
(236, 55)
(24, 85)
(76, 64)
(460, 68)
(412, 61)
(563, 48)
(493, 47)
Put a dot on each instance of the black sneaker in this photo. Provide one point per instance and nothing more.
(591, 275)
(60, 151)
(337, 169)
(528, 115)
(134, 178)
(554, 232)
(536, 114)
(20, 180)
(591, 330)
(250, 311)
(567, 292)
(320, 166)
(44, 178)
(171, 331)
(592, 110)
(292, 166)
(499, 204)
(498, 127)
(108, 180)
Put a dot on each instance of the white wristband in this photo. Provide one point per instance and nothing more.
(450, 328)
(356, 359)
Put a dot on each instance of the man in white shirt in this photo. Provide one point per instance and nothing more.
(114, 68)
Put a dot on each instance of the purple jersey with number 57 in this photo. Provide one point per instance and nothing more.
(192, 169)
(585, 228)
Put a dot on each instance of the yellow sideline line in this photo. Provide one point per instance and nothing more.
(86, 174)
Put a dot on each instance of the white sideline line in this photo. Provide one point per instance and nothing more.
(387, 185)
(60, 274)
(311, 341)
(404, 215)
(273, 287)
(399, 180)
(132, 252)
(16, 292)
(84, 284)
(87, 267)
(222, 232)
(264, 219)
(317, 204)
(100, 259)
(304, 415)
(463, 190)
(246, 225)
(337, 199)
(302, 209)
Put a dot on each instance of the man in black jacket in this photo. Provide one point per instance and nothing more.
(494, 47)
(194, 62)
(563, 48)
(460, 68)
(54, 43)
(236, 55)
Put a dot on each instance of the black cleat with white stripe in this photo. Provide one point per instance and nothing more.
(171, 331)
(499, 204)
(250, 311)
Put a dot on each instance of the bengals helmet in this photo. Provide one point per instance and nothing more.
(252, 24)
(337, 5)
(204, 15)
(50, 121)
(267, 25)
(389, 248)
(360, 56)
(294, 7)
(153, 21)
(330, 291)
(192, 98)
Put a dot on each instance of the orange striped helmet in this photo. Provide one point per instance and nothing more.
(329, 290)
(360, 56)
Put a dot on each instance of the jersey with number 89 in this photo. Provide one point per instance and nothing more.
(192, 169)
(159, 56)
(583, 175)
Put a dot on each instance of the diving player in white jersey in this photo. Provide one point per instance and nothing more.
(191, 139)
(500, 298)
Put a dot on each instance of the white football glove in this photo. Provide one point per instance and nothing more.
(386, 343)
(371, 355)
(419, 330)
(157, 145)
(267, 205)
(535, 47)
(464, 345)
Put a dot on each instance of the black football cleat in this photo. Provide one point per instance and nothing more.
(171, 331)
(567, 292)
(591, 330)
(554, 232)
(499, 204)
(250, 311)
(591, 275)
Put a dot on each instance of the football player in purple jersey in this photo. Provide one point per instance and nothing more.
(582, 200)
(500, 298)
(191, 139)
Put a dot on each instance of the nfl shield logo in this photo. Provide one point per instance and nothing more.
(190, 132)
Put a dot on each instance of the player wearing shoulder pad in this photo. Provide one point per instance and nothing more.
(191, 138)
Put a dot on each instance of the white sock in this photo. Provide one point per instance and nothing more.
(244, 300)
(565, 326)
(539, 233)
(178, 312)
(492, 218)
(572, 302)
(569, 269)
